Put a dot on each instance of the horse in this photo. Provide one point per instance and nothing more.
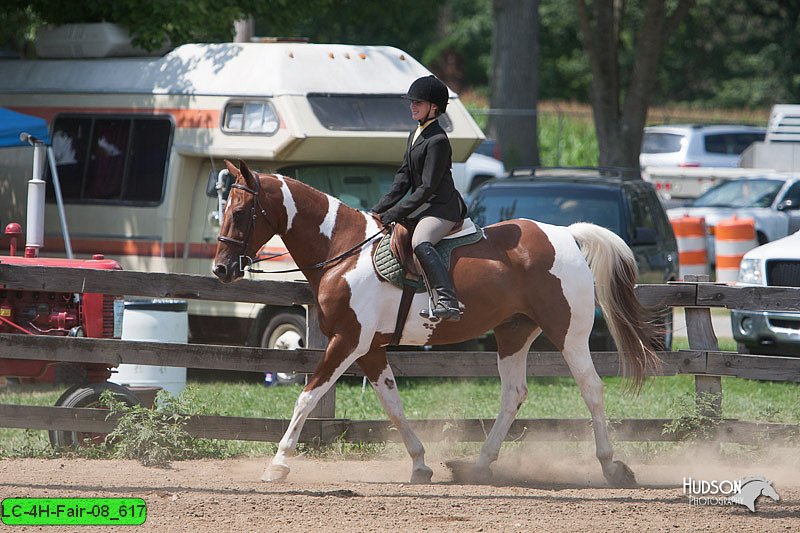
(522, 279)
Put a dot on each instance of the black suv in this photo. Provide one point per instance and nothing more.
(615, 199)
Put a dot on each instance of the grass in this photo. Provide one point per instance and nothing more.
(443, 398)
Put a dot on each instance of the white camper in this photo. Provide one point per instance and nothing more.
(135, 140)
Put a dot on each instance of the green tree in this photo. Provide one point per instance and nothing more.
(153, 22)
(622, 91)
(730, 53)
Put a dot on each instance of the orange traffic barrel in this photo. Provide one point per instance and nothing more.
(733, 238)
(690, 232)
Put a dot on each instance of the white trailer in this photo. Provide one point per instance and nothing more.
(136, 138)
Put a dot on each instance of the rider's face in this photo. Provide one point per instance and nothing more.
(420, 110)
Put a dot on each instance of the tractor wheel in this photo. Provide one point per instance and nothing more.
(86, 395)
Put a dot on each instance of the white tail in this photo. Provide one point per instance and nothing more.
(615, 274)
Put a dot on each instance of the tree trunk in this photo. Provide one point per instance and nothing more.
(515, 80)
(620, 116)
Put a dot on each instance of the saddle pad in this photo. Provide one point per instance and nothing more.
(390, 269)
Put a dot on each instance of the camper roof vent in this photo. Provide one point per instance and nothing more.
(92, 40)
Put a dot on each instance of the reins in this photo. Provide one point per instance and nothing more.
(247, 262)
(315, 266)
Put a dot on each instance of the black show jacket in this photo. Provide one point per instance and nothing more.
(426, 172)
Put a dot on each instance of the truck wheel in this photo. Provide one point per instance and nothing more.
(286, 331)
(87, 395)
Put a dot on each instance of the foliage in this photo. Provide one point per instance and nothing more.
(563, 66)
(154, 22)
(728, 53)
(732, 53)
(690, 419)
(156, 436)
(566, 141)
(406, 24)
(461, 52)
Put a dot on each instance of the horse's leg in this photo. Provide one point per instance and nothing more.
(514, 339)
(337, 359)
(380, 375)
(579, 359)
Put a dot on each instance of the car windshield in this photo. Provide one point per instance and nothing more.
(741, 193)
(558, 204)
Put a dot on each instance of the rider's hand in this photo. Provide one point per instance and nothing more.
(388, 217)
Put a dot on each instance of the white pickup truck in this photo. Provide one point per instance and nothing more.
(769, 332)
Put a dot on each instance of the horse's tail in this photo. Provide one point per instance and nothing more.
(615, 272)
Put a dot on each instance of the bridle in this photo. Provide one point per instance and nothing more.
(245, 261)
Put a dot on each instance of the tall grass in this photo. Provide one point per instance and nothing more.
(565, 138)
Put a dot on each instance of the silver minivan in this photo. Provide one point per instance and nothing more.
(695, 145)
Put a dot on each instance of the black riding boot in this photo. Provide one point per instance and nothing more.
(446, 305)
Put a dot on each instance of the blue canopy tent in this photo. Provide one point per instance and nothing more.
(13, 123)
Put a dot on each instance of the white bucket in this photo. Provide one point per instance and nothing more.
(157, 320)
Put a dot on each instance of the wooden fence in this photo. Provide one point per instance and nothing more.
(703, 360)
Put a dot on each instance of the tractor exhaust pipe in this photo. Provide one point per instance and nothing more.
(36, 191)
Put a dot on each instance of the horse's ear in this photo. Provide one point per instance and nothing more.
(232, 169)
(246, 174)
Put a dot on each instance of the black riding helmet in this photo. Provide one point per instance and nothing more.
(429, 89)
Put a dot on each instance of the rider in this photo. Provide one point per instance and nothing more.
(434, 206)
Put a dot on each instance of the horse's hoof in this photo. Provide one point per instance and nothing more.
(467, 472)
(275, 473)
(421, 475)
(481, 475)
(622, 476)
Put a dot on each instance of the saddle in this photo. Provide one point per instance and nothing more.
(394, 259)
(394, 262)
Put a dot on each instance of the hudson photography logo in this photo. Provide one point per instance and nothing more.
(725, 492)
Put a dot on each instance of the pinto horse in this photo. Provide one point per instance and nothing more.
(523, 279)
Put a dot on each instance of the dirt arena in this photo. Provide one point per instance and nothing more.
(567, 493)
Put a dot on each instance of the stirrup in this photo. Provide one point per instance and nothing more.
(442, 313)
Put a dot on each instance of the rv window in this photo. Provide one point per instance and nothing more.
(113, 159)
(250, 117)
(347, 112)
(359, 186)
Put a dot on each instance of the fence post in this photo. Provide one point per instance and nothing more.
(326, 407)
(700, 331)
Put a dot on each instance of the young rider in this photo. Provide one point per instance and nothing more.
(434, 206)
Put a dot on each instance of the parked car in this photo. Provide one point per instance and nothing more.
(489, 148)
(696, 145)
(771, 199)
(475, 171)
(769, 332)
(616, 200)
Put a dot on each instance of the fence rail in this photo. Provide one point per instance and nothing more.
(703, 360)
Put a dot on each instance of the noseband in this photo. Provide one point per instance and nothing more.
(244, 259)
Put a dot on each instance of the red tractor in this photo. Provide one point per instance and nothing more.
(31, 312)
